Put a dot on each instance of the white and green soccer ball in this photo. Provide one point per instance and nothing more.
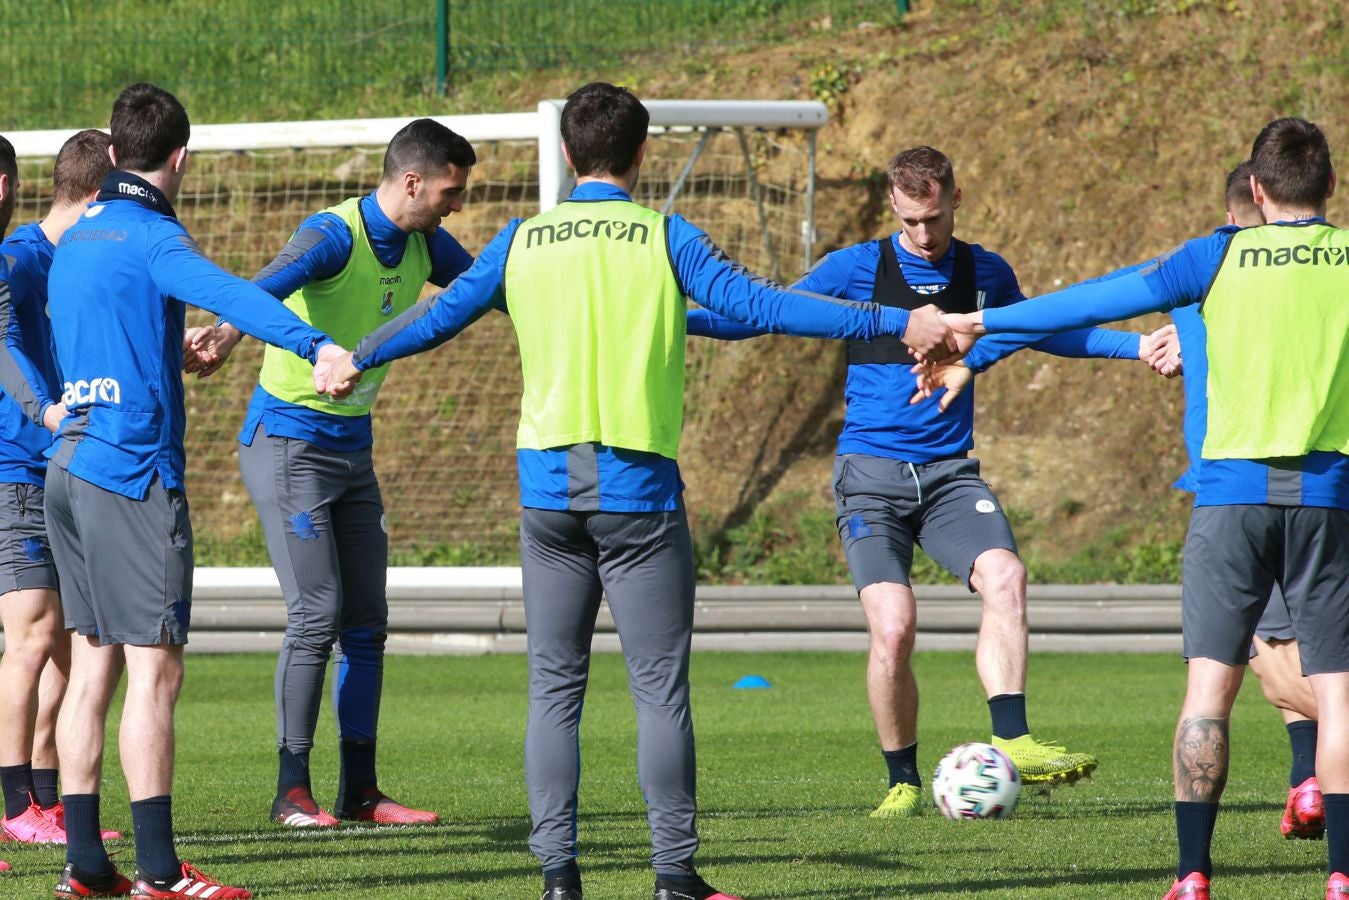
(976, 781)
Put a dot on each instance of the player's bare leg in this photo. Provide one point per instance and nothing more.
(32, 625)
(94, 673)
(154, 679)
(1332, 768)
(1278, 665)
(1000, 656)
(1003, 645)
(1200, 757)
(892, 690)
(891, 614)
(51, 692)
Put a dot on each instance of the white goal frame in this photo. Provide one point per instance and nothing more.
(541, 126)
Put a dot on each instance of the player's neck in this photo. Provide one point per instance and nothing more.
(60, 217)
(387, 199)
(626, 181)
(1277, 212)
(163, 179)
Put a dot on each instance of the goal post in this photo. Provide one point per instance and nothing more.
(445, 426)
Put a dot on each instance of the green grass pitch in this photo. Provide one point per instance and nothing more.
(786, 779)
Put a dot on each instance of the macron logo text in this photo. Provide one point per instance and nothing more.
(1302, 255)
(632, 232)
(83, 393)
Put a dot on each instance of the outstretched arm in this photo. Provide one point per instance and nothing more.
(180, 270)
(320, 249)
(705, 323)
(714, 280)
(437, 319)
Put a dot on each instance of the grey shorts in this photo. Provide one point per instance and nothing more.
(1236, 555)
(125, 565)
(25, 556)
(1275, 623)
(885, 505)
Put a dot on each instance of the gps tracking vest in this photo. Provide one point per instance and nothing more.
(600, 319)
(1280, 298)
(890, 289)
(348, 306)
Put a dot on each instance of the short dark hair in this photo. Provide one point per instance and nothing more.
(148, 124)
(1291, 160)
(81, 166)
(9, 165)
(603, 126)
(1237, 191)
(424, 146)
(915, 170)
(9, 160)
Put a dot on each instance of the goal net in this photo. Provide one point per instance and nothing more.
(445, 423)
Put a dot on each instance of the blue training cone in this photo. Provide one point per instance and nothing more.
(750, 682)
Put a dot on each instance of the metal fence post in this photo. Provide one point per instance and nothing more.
(442, 45)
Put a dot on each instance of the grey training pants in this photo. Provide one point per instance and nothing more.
(323, 518)
(643, 563)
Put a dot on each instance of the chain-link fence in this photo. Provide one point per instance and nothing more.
(445, 424)
(235, 60)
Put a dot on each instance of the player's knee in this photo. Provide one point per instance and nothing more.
(28, 654)
(363, 643)
(892, 641)
(1000, 577)
(311, 639)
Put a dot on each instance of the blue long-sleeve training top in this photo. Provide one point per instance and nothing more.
(28, 373)
(320, 249)
(629, 481)
(117, 289)
(1176, 282)
(879, 420)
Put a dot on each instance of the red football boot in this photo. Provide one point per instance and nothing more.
(1192, 887)
(1305, 815)
(190, 884)
(75, 884)
(379, 809)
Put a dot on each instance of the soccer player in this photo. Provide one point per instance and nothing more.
(306, 460)
(1275, 659)
(37, 648)
(904, 476)
(595, 289)
(1272, 504)
(117, 516)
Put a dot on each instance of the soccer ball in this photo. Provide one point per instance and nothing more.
(976, 781)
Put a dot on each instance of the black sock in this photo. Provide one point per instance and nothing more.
(84, 839)
(1302, 738)
(152, 819)
(903, 765)
(566, 876)
(1009, 715)
(1337, 832)
(356, 775)
(17, 784)
(44, 788)
(293, 771)
(1194, 834)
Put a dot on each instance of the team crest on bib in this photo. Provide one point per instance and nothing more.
(985, 506)
(386, 305)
